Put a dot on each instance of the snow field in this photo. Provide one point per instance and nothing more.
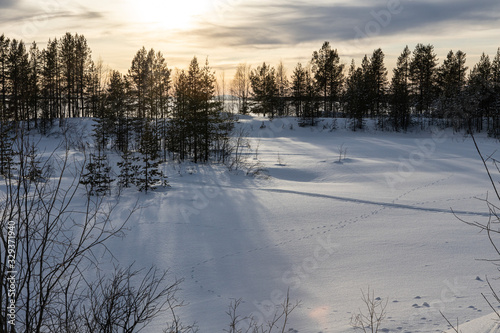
(322, 228)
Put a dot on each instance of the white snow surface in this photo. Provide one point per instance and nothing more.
(325, 230)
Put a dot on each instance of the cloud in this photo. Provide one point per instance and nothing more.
(7, 3)
(27, 24)
(295, 22)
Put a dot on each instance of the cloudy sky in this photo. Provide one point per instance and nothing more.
(253, 31)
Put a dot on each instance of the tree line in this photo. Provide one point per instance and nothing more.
(182, 110)
(420, 90)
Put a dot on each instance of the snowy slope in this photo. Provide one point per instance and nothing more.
(324, 229)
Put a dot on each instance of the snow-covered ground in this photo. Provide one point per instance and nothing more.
(325, 229)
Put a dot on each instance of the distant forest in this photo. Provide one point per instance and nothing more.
(185, 108)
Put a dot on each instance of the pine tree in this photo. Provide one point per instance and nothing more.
(451, 84)
(6, 130)
(264, 89)
(35, 68)
(4, 51)
(423, 73)
(67, 61)
(198, 126)
(118, 111)
(83, 63)
(51, 86)
(162, 87)
(299, 90)
(400, 92)
(494, 127)
(480, 91)
(355, 96)
(179, 135)
(328, 73)
(18, 78)
(378, 82)
(138, 74)
(311, 104)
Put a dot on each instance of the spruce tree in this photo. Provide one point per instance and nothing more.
(7, 138)
(148, 176)
(97, 178)
(128, 169)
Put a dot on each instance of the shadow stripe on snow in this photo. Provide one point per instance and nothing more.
(377, 203)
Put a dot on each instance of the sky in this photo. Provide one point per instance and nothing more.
(229, 32)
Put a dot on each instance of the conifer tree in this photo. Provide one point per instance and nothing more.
(264, 89)
(97, 178)
(138, 74)
(51, 85)
(423, 71)
(4, 51)
(299, 89)
(67, 61)
(378, 82)
(400, 92)
(451, 83)
(7, 138)
(129, 169)
(480, 92)
(304, 94)
(83, 63)
(356, 94)
(35, 67)
(198, 126)
(118, 111)
(148, 176)
(494, 127)
(6, 133)
(35, 170)
(18, 78)
(328, 73)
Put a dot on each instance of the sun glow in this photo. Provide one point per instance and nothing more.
(168, 15)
